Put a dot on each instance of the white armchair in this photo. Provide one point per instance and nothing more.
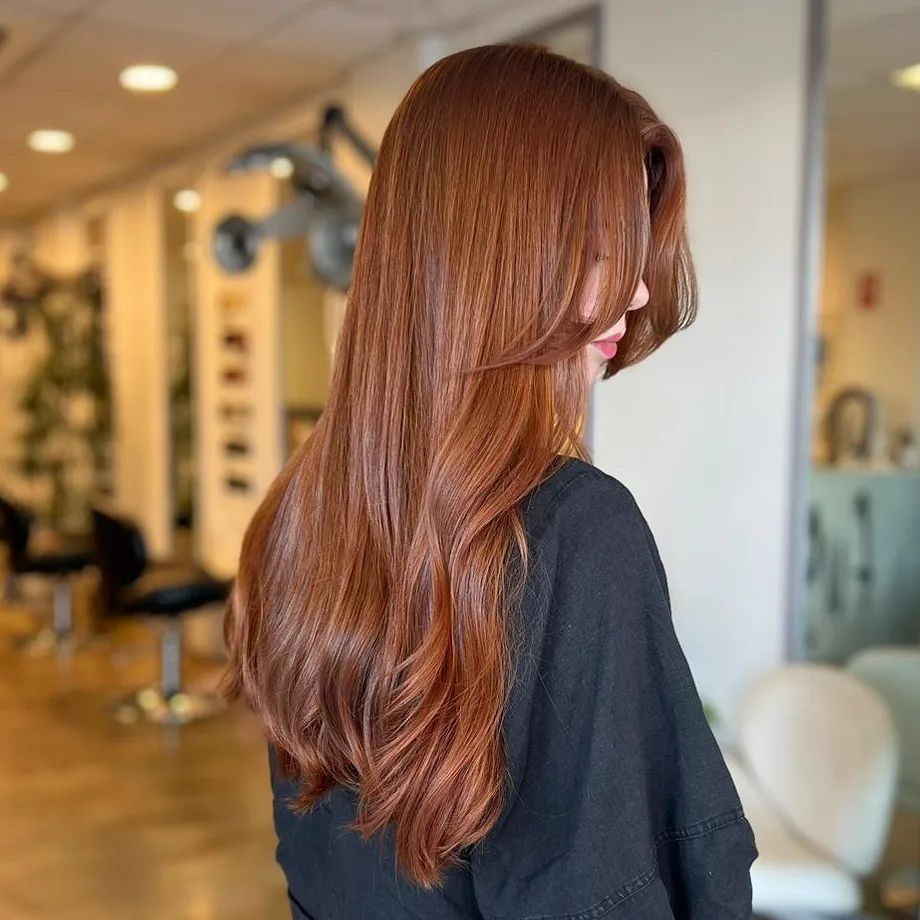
(894, 672)
(816, 771)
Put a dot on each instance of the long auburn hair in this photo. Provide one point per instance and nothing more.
(367, 625)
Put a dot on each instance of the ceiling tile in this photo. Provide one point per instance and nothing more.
(207, 21)
(81, 117)
(335, 32)
(237, 60)
(872, 127)
(94, 51)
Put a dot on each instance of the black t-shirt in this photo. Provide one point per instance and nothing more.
(619, 804)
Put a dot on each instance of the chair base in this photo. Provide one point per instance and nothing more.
(59, 638)
(151, 705)
(168, 703)
(901, 892)
(48, 642)
(11, 592)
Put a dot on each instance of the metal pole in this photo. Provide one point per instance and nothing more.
(171, 658)
(62, 617)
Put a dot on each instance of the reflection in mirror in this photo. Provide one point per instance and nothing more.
(863, 566)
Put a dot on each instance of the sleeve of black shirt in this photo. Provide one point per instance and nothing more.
(619, 802)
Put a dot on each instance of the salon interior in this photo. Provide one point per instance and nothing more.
(181, 187)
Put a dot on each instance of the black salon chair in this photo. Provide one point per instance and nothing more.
(132, 585)
(59, 564)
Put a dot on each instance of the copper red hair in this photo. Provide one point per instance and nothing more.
(367, 625)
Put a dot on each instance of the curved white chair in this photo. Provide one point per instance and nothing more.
(817, 774)
(894, 673)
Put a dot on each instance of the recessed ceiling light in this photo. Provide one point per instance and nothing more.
(281, 168)
(148, 78)
(907, 77)
(4, 182)
(187, 200)
(51, 141)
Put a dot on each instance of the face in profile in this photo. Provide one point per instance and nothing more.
(603, 348)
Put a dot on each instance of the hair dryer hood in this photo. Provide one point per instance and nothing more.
(326, 210)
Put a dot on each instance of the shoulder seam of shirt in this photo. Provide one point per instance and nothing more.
(592, 474)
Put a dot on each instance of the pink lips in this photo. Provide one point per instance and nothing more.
(608, 347)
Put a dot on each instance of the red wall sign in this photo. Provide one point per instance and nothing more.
(868, 290)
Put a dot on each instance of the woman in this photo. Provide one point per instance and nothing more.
(455, 629)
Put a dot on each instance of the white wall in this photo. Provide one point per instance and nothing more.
(701, 432)
(137, 314)
(60, 243)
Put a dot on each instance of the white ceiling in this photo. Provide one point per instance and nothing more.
(873, 128)
(236, 59)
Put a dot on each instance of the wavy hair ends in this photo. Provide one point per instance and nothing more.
(372, 615)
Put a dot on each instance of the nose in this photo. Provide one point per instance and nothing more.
(640, 297)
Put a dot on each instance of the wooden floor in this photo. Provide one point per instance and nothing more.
(107, 821)
(103, 820)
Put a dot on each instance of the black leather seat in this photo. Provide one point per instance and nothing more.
(59, 563)
(168, 589)
(131, 584)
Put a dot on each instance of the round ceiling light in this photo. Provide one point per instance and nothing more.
(907, 77)
(148, 78)
(281, 168)
(49, 140)
(187, 200)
